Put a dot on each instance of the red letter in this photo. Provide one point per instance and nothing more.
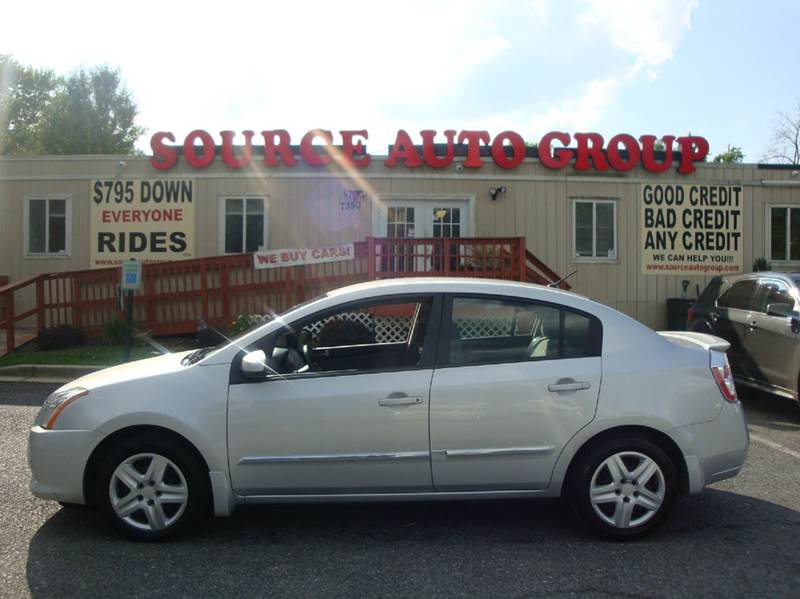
(648, 151)
(307, 149)
(190, 152)
(164, 156)
(271, 149)
(585, 151)
(355, 154)
(403, 149)
(614, 156)
(428, 149)
(227, 149)
(473, 146)
(562, 156)
(693, 149)
(499, 152)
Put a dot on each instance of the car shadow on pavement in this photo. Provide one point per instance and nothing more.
(771, 411)
(497, 548)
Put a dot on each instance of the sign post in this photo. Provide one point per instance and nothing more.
(131, 281)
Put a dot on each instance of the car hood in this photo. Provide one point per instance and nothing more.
(131, 371)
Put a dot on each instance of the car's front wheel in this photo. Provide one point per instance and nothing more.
(151, 488)
(624, 488)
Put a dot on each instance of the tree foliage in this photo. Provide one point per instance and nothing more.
(87, 112)
(785, 144)
(732, 154)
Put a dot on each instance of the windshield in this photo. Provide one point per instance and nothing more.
(227, 340)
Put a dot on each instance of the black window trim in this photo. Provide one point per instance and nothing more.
(445, 324)
(429, 346)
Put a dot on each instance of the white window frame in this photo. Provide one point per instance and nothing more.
(221, 228)
(768, 235)
(387, 200)
(67, 253)
(594, 258)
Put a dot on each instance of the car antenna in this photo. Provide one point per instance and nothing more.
(562, 279)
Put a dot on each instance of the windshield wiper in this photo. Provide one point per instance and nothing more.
(196, 356)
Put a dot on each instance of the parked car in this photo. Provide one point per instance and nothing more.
(424, 389)
(757, 313)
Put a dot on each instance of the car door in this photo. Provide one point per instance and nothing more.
(514, 381)
(772, 341)
(346, 416)
(731, 320)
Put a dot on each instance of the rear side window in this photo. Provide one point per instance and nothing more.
(489, 331)
(739, 296)
(710, 293)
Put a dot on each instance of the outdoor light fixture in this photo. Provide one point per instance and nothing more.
(495, 191)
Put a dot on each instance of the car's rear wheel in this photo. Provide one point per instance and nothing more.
(624, 488)
(152, 488)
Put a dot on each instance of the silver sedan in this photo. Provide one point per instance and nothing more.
(417, 389)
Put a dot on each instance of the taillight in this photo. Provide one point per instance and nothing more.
(690, 315)
(721, 369)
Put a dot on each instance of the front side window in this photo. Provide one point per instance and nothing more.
(387, 335)
(740, 295)
(773, 292)
(245, 225)
(784, 233)
(486, 331)
(595, 229)
(47, 225)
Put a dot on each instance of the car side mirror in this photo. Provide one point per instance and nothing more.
(781, 310)
(254, 363)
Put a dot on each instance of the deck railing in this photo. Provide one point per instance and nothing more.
(177, 295)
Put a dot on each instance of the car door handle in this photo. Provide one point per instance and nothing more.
(399, 401)
(568, 385)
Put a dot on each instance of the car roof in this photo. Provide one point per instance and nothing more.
(451, 284)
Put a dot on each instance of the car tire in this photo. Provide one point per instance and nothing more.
(623, 489)
(152, 488)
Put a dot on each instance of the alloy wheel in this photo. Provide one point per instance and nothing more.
(627, 489)
(148, 492)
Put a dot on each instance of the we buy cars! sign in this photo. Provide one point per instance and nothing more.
(296, 257)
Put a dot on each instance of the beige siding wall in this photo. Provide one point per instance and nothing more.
(304, 211)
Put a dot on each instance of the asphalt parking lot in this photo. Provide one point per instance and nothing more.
(740, 538)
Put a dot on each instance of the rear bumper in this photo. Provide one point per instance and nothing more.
(715, 450)
(57, 460)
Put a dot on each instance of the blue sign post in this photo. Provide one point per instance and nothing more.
(131, 281)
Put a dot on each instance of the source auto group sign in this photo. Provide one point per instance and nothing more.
(317, 147)
(150, 220)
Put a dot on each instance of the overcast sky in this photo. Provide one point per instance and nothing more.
(717, 68)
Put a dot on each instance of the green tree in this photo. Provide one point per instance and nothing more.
(84, 113)
(25, 95)
(732, 154)
(93, 114)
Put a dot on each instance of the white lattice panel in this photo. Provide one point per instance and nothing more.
(387, 329)
(481, 328)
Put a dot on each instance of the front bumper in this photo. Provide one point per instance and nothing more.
(57, 460)
(715, 450)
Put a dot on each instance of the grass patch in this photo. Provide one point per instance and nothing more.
(93, 353)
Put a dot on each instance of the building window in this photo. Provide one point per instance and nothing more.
(595, 229)
(245, 225)
(784, 229)
(48, 225)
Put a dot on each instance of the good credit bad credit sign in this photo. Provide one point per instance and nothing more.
(150, 220)
(691, 229)
(294, 257)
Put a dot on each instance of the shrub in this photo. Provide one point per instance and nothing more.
(117, 330)
(60, 337)
(243, 322)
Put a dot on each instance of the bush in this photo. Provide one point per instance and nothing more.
(244, 322)
(60, 337)
(117, 330)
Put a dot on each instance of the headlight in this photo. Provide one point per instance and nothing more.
(55, 404)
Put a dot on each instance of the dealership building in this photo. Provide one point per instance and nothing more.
(633, 221)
